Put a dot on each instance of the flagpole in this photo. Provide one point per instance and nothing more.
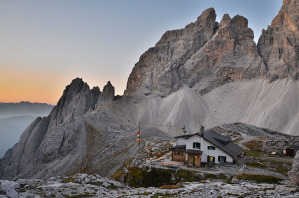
(139, 137)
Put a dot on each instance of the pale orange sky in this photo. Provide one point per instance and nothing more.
(38, 87)
(34, 87)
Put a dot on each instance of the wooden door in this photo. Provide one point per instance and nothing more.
(190, 160)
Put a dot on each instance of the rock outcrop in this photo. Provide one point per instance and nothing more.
(107, 95)
(279, 44)
(76, 100)
(294, 173)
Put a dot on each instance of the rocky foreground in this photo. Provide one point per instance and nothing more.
(83, 185)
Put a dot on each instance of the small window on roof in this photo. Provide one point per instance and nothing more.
(196, 145)
(211, 148)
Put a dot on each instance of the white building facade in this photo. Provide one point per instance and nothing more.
(205, 148)
(208, 150)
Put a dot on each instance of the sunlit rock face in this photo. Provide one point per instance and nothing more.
(279, 44)
(203, 55)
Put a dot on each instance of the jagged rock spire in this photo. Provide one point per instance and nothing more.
(278, 45)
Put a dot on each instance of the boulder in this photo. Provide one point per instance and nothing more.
(294, 173)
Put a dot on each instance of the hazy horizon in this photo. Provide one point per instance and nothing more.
(46, 44)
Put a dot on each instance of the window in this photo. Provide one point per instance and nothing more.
(210, 158)
(178, 153)
(196, 145)
(221, 159)
(211, 148)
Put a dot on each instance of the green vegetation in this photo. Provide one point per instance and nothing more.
(277, 166)
(256, 165)
(148, 178)
(161, 195)
(77, 196)
(253, 153)
(70, 179)
(156, 177)
(170, 186)
(259, 178)
(118, 175)
(254, 145)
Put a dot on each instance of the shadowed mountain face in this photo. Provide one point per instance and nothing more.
(207, 73)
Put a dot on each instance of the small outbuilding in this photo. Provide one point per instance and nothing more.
(291, 151)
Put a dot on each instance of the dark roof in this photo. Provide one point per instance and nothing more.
(184, 136)
(178, 146)
(191, 151)
(223, 142)
(295, 147)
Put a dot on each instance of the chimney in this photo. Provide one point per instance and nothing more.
(202, 129)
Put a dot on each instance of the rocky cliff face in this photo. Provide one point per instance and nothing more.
(279, 44)
(294, 173)
(205, 54)
(58, 143)
(160, 69)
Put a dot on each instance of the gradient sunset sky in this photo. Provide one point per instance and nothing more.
(45, 44)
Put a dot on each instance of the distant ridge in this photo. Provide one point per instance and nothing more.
(24, 108)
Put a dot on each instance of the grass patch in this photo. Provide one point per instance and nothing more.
(277, 166)
(283, 168)
(118, 175)
(161, 195)
(170, 186)
(256, 165)
(78, 196)
(259, 178)
(155, 177)
(217, 177)
(69, 180)
(149, 178)
(254, 145)
(253, 153)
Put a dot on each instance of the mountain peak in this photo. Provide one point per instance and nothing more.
(240, 21)
(109, 90)
(225, 19)
(77, 99)
(207, 18)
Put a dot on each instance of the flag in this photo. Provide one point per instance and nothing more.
(138, 136)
